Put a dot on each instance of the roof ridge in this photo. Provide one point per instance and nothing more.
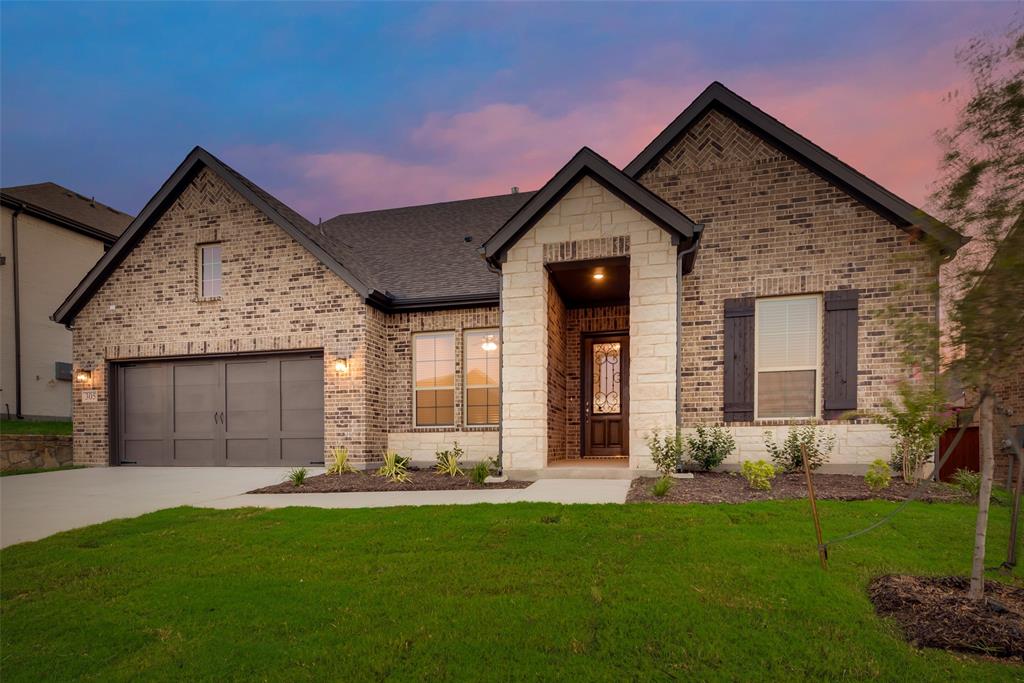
(423, 206)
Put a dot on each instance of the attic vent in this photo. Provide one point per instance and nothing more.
(467, 238)
(515, 189)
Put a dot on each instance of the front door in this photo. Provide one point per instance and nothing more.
(605, 401)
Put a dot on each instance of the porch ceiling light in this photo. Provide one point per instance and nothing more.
(489, 343)
(598, 274)
(341, 366)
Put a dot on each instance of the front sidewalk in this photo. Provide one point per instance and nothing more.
(33, 506)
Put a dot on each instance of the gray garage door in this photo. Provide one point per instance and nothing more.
(246, 410)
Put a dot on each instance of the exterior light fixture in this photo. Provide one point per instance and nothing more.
(489, 343)
(599, 275)
(83, 375)
(341, 366)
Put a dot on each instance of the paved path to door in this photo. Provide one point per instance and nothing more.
(33, 506)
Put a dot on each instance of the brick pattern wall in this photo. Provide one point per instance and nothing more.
(276, 297)
(580, 321)
(557, 368)
(776, 228)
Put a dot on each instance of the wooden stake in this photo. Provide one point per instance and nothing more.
(814, 507)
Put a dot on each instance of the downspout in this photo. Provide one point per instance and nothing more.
(698, 230)
(501, 365)
(17, 313)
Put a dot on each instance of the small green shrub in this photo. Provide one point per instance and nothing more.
(968, 481)
(340, 464)
(479, 473)
(662, 486)
(395, 468)
(709, 446)
(297, 476)
(788, 456)
(759, 474)
(666, 452)
(879, 475)
(448, 461)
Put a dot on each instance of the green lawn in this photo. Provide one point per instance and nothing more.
(33, 427)
(521, 591)
(39, 470)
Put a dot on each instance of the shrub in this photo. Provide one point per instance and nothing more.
(788, 456)
(661, 486)
(878, 476)
(395, 468)
(340, 464)
(759, 474)
(968, 481)
(297, 476)
(666, 452)
(710, 446)
(479, 473)
(448, 461)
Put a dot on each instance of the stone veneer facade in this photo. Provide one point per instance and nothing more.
(588, 222)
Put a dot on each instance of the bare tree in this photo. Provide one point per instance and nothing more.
(982, 194)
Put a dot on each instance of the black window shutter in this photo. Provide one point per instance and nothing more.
(840, 352)
(739, 360)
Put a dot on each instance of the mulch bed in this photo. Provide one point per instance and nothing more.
(419, 480)
(936, 612)
(726, 487)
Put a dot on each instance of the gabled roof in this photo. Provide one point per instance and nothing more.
(587, 162)
(717, 96)
(68, 209)
(288, 220)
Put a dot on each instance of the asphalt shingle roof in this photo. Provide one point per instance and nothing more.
(70, 205)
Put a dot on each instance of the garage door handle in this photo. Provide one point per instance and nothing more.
(215, 417)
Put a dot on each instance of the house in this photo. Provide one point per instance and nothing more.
(50, 237)
(733, 273)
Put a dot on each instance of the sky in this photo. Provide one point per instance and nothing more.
(338, 107)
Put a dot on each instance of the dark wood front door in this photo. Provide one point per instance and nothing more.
(605, 401)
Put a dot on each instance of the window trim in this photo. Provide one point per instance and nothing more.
(819, 356)
(201, 262)
(453, 387)
(465, 377)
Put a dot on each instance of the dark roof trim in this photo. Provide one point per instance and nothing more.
(388, 304)
(197, 159)
(587, 162)
(57, 219)
(716, 95)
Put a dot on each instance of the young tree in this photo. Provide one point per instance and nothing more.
(982, 194)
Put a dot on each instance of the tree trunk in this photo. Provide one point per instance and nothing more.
(977, 590)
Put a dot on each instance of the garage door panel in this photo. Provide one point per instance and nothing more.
(195, 452)
(145, 452)
(301, 451)
(197, 396)
(251, 452)
(302, 395)
(146, 413)
(249, 396)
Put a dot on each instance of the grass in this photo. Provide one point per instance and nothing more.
(38, 470)
(33, 427)
(520, 591)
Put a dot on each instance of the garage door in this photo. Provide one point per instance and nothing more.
(243, 411)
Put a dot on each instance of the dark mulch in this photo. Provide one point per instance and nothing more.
(419, 480)
(936, 612)
(727, 487)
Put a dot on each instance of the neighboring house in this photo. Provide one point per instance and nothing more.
(734, 273)
(49, 239)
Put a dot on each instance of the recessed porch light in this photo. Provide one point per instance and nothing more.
(599, 275)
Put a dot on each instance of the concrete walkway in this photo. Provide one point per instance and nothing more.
(33, 506)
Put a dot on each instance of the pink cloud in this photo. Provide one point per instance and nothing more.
(877, 118)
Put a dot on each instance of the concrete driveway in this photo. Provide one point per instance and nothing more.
(33, 506)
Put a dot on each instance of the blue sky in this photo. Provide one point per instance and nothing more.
(337, 107)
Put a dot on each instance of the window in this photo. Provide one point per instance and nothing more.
(209, 258)
(787, 356)
(433, 358)
(483, 399)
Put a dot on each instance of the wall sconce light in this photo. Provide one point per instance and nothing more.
(83, 375)
(341, 366)
(489, 343)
